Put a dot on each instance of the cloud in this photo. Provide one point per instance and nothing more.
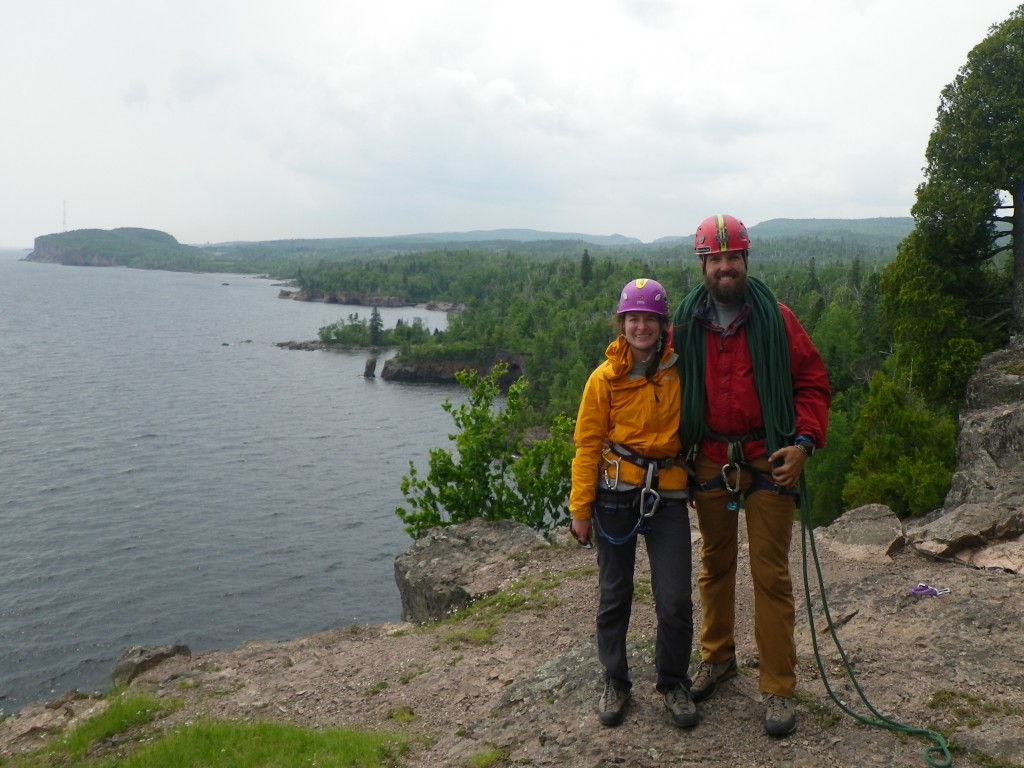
(225, 119)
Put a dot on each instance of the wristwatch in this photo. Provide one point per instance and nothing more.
(805, 444)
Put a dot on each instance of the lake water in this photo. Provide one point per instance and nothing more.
(169, 475)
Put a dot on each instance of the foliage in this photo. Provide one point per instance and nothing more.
(975, 167)
(495, 475)
(905, 451)
(828, 471)
(358, 331)
(938, 337)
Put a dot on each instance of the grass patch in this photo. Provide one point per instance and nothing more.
(413, 670)
(825, 716)
(124, 736)
(402, 715)
(227, 745)
(123, 714)
(480, 634)
(969, 709)
(642, 591)
(478, 623)
(488, 757)
(1015, 368)
(964, 710)
(580, 573)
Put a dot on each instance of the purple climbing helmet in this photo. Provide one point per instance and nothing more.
(643, 295)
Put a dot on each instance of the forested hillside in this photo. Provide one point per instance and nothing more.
(152, 249)
(553, 317)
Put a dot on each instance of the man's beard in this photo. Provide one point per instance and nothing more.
(730, 295)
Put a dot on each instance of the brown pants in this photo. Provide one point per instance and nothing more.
(769, 519)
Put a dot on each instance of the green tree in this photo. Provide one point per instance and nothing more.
(586, 267)
(826, 473)
(938, 338)
(493, 474)
(975, 168)
(376, 327)
(906, 451)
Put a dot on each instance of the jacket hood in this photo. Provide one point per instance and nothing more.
(621, 362)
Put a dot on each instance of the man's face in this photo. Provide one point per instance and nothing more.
(725, 277)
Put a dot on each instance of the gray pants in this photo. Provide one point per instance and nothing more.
(668, 551)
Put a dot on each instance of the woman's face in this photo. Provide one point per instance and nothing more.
(642, 331)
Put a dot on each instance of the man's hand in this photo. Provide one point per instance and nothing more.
(787, 464)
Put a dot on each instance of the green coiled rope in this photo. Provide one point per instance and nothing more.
(769, 352)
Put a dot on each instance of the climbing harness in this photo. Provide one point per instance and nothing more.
(937, 756)
(618, 507)
(731, 476)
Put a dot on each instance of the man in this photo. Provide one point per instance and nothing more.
(754, 408)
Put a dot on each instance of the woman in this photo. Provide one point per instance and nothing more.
(626, 480)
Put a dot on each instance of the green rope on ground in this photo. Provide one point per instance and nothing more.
(937, 756)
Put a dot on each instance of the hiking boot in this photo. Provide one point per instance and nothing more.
(612, 707)
(779, 715)
(680, 704)
(708, 676)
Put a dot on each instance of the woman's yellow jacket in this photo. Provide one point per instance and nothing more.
(637, 414)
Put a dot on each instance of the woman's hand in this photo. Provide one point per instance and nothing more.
(582, 531)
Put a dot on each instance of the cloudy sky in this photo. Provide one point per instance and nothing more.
(219, 120)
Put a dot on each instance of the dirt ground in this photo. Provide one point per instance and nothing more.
(528, 682)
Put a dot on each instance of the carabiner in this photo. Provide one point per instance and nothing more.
(613, 483)
(649, 501)
(649, 498)
(725, 477)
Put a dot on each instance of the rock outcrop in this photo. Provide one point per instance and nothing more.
(443, 371)
(342, 297)
(982, 521)
(137, 660)
(451, 567)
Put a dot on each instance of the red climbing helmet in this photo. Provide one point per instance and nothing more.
(720, 233)
(643, 295)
